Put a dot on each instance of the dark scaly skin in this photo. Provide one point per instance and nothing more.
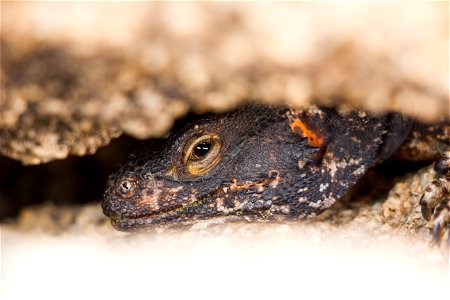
(274, 163)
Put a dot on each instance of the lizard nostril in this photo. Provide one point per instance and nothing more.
(127, 187)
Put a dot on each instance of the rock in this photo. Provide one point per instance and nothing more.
(72, 80)
(402, 209)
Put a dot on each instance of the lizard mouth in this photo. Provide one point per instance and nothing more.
(147, 223)
(180, 215)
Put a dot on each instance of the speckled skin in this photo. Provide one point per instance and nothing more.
(274, 163)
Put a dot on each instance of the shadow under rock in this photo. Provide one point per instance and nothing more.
(75, 180)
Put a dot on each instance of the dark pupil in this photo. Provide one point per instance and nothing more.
(202, 148)
(126, 186)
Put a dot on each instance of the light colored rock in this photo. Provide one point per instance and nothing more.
(68, 71)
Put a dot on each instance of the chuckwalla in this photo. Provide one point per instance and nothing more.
(270, 163)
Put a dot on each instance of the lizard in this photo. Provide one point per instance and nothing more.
(277, 163)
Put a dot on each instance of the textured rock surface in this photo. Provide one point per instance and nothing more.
(72, 79)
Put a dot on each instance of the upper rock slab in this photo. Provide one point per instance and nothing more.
(75, 75)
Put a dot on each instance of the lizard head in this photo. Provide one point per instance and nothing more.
(215, 165)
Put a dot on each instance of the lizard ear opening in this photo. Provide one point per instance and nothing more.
(202, 154)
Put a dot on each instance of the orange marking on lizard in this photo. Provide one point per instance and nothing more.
(299, 127)
(149, 200)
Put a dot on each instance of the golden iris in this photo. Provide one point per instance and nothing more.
(202, 154)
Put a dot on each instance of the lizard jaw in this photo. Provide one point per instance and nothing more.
(145, 223)
(138, 224)
(175, 215)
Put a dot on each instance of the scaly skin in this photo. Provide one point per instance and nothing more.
(255, 163)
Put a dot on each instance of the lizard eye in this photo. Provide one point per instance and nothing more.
(202, 154)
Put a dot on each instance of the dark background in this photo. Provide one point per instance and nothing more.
(68, 181)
